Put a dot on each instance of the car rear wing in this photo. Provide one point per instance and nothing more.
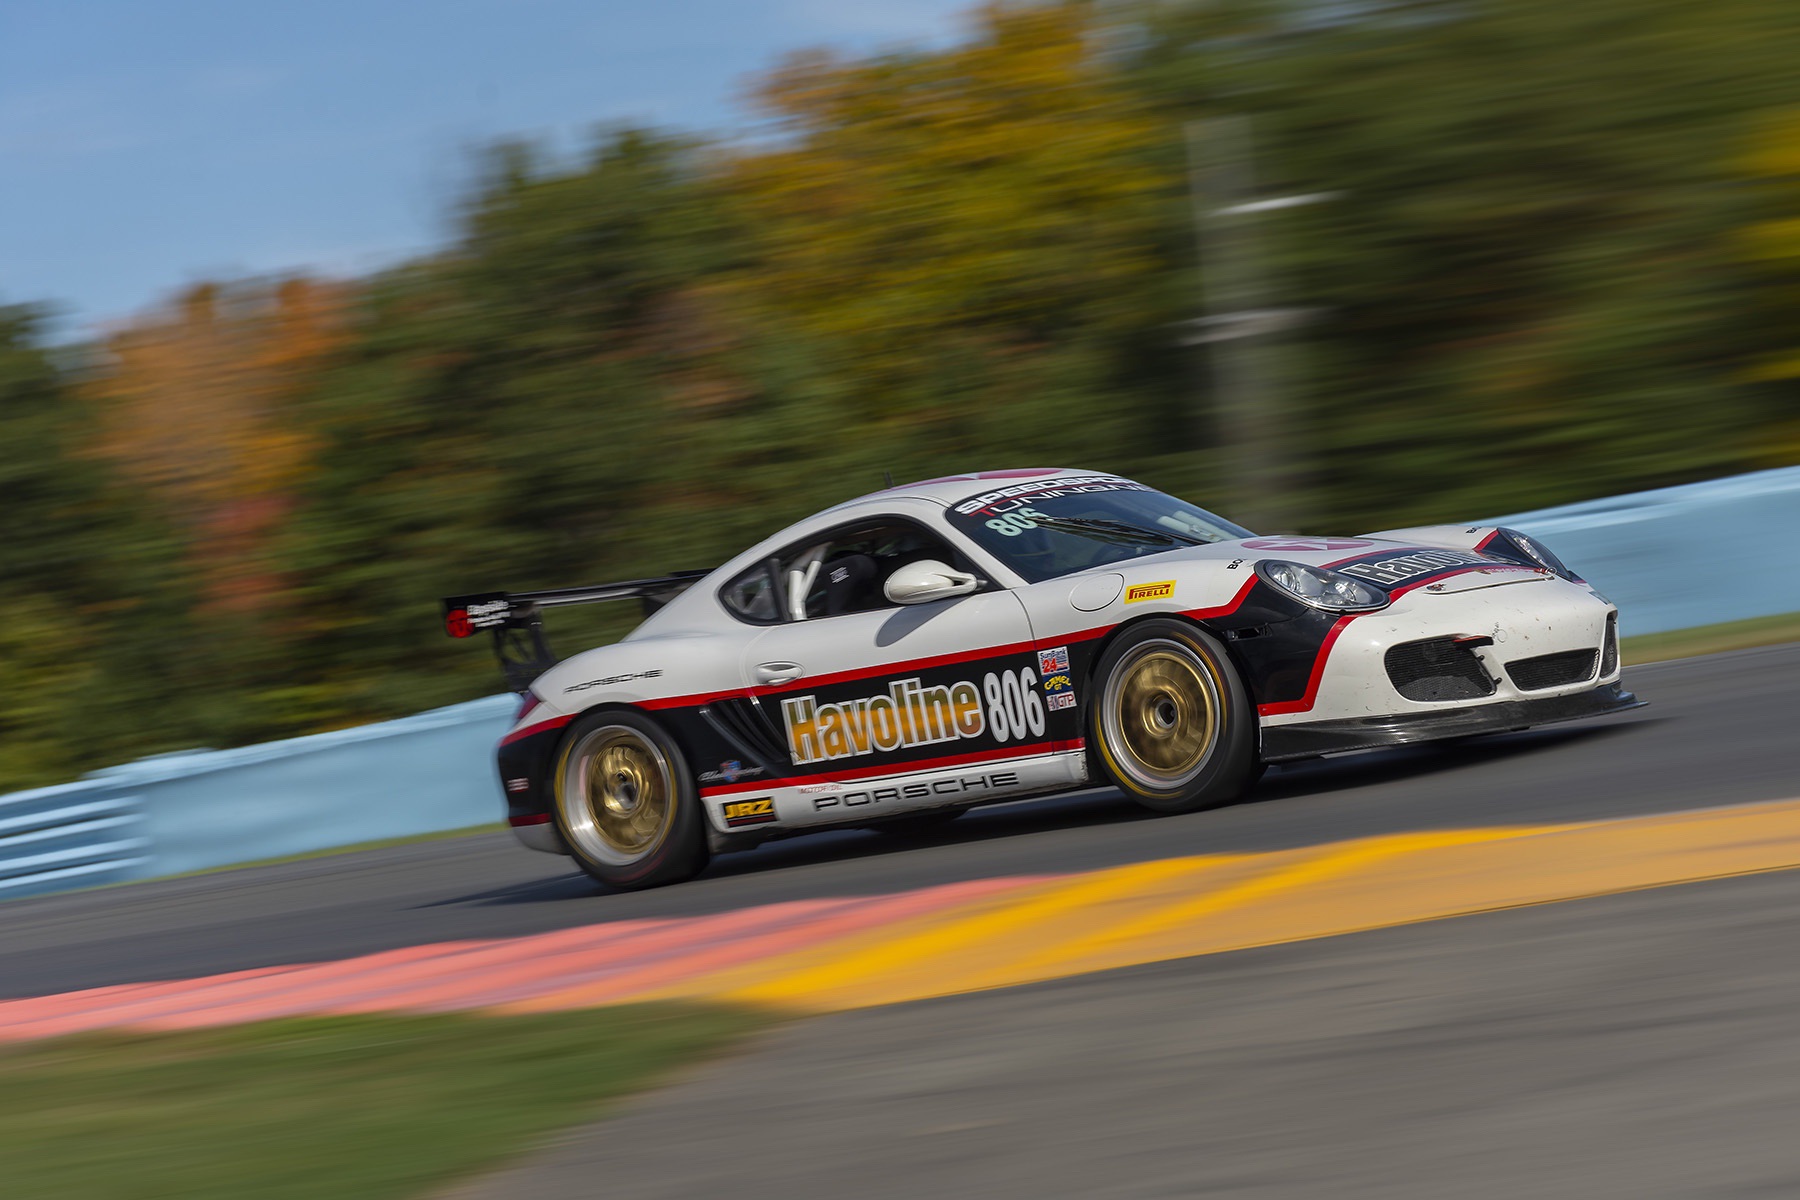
(516, 618)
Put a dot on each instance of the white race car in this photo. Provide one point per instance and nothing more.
(898, 659)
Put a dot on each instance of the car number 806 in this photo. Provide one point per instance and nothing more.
(1013, 704)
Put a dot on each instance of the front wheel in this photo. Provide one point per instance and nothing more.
(1171, 722)
(626, 804)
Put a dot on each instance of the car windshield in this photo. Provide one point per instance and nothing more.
(1058, 526)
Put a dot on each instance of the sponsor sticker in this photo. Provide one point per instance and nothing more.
(912, 713)
(465, 615)
(760, 811)
(1058, 683)
(1051, 661)
(1400, 567)
(1139, 592)
(1020, 494)
(1060, 701)
(1306, 543)
(518, 785)
(730, 772)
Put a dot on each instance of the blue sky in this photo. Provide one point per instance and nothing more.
(147, 145)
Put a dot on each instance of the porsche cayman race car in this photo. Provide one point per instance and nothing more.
(900, 658)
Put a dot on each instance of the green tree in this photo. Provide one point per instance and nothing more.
(965, 242)
(1529, 276)
(522, 411)
(90, 643)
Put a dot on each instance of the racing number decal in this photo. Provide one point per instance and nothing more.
(1014, 706)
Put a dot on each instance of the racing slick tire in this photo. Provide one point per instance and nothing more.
(625, 802)
(1171, 723)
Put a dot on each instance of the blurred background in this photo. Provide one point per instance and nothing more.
(1326, 265)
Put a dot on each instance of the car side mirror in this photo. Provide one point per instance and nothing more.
(927, 580)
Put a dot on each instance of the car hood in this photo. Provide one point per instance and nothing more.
(1387, 564)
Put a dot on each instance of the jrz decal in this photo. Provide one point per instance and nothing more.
(760, 811)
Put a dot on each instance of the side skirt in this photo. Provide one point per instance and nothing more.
(741, 820)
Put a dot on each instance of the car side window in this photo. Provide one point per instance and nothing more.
(753, 595)
(847, 570)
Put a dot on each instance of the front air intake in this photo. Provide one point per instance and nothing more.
(1438, 669)
(1553, 670)
(1609, 649)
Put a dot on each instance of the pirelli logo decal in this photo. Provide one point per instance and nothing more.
(1149, 591)
(760, 811)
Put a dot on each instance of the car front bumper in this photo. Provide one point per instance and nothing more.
(1283, 743)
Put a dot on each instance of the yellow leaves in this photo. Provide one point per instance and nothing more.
(1776, 152)
(193, 405)
(998, 181)
(1774, 159)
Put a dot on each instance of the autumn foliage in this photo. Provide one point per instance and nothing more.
(195, 405)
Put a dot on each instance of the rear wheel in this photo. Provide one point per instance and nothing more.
(1171, 722)
(626, 804)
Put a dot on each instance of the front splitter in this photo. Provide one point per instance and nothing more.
(1284, 743)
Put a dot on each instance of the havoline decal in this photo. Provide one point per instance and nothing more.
(1391, 569)
(1004, 706)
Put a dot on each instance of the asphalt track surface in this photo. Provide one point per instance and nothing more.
(1720, 731)
(1641, 1046)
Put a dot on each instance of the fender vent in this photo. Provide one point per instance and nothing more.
(744, 725)
(1553, 670)
(1438, 669)
(1609, 649)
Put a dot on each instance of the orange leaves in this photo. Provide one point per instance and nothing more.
(194, 405)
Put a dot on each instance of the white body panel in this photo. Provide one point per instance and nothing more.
(830, 802)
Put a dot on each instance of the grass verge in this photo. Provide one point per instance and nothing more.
(1710, 639)
(345, 1107)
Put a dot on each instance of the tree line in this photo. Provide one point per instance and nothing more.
(1556, 256)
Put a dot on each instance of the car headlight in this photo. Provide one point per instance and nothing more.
(1321, 588)
(1534, 550)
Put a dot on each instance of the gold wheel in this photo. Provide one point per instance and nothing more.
(617, 795)
(1161, 715)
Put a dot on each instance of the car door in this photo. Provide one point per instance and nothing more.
(865, 688)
